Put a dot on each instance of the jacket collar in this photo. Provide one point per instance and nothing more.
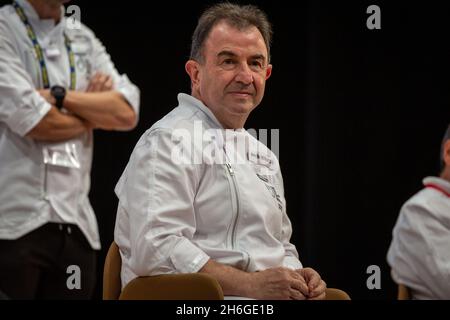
(438, 183)
(186, 99)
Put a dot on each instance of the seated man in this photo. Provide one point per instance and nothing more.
(419, 254)
(183, 209)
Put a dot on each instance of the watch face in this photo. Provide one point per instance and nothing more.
(58, 91)
(59, 94)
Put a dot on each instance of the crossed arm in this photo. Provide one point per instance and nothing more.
(274, 283)
(98, 107)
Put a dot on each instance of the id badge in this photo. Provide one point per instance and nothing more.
(52, 52)
(62, 155)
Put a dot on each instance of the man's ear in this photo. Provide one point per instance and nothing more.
(192, 69)
(447, 153)
(268, 71)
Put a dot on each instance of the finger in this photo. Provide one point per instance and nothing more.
(108, 84)
(300, 285)
(319, 290)
(314, 281)
(311, 276)
(294, 294)
(297, 275)
(102, 80)
(90, 87)
(98, 83)
(92, 82)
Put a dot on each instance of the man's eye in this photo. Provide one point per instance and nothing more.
(228, 61)
(256, 64)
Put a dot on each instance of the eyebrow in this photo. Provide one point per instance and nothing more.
(228, 53)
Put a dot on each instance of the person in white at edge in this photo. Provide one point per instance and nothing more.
(46, 221)
(419, 254)
(228, 220)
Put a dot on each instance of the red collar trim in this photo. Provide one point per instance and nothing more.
(433, 186)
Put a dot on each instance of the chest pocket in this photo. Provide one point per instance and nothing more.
(265, 169)
(271, 186)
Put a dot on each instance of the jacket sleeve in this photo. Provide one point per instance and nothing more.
(158, 194)
(102, 63)
(21, 106)
(419, 254)
(291, 259)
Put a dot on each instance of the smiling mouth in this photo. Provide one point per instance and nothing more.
(241, 93)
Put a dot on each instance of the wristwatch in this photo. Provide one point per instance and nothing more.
(59, 93)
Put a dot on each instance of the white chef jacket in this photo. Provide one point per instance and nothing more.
(419, 254)
(174, 215)
(32, 193)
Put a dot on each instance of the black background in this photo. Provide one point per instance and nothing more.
(361, 115)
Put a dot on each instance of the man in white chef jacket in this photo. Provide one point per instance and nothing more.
(189, 200)
(419, 254)
(57, 83)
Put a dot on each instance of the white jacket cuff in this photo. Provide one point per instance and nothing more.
(292, 263)
(28, 115)
(130, 92)
(188, 258)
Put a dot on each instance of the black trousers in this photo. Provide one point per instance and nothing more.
(54, 261)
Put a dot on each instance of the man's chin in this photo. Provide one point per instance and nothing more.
(245, 101)
(241, 109)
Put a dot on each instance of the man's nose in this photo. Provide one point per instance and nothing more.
(244, 75)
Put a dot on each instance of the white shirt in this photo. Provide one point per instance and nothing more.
(174, 215)
(419, 254)
(33, 193)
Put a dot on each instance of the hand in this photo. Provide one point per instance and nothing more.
(100, 82)
(277, 283)
(315, 283)
(45, 93)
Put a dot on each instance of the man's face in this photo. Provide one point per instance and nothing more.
(446, 158)
(232, 77)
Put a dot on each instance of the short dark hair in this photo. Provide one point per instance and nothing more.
(446, 138)
(239, 16)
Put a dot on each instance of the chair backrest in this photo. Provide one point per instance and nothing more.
(193, 286)
(403, 292)
(336, 294)
(111, 273)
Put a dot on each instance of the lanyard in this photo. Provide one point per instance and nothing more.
(433, 186)
(39, 53)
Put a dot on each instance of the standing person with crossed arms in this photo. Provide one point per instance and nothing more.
(57, 84)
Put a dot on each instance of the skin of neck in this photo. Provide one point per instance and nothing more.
(228, 121)
(47, 9)
(446, 174)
